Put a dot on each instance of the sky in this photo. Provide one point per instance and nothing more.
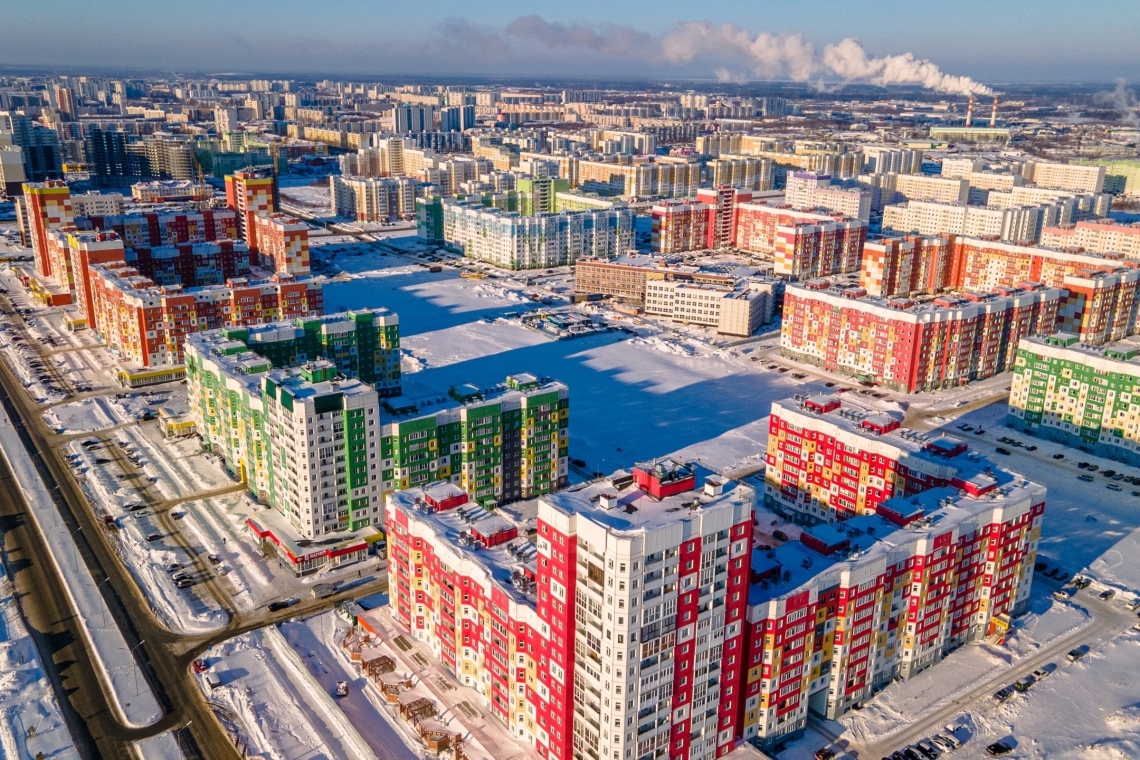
(991, 41)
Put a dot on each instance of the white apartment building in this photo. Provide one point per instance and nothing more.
(732, 311)
(808, 190)
(97, 204)
(1020, 224)
(880, 159)
(1099, 236)
(961, 168)
(226, 120)
(744, 172)
(982, 183)
(1075, 178)
(512, 241)
(1060, 206)
(374, 199)
(322, 446)
(916, 187)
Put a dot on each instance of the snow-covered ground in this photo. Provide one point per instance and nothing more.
(99, 412)
(31, 723)
(274, 704)
(131, 696)
(162, 746)
(464, 342)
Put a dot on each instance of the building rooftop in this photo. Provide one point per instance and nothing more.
(927, 308)
(465, 396)
(624, 501)
(1122, 356)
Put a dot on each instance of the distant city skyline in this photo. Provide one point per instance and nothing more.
(829, 41)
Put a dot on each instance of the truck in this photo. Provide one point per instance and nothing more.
(323, 590)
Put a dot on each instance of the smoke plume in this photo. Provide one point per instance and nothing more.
(1123, 101)
(732, 50)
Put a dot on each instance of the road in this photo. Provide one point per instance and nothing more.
(163, 656)
(1107, 620)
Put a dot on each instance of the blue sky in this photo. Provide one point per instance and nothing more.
(992, 41)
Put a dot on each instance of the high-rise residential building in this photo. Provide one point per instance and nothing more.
(632, 614)
(97, 204)
(12, 174)
(458, 118)
(1072, 177)
(71, 253)
(146, 325)
(918, 187)
(912, 346)
(40, 146)
(1100, 236)
(1018, 225)
(884, 160)
(745, 172)
(1060, 207)
(226, 120)
(911, 265)
(1121, 175)
(499, 444)
(251, 192)
(48, 207)
(757, 227)
(109, 158)
(282, 243)
(660, 177)
(1078, 394)
(410, 117)
(805, 191)
(374, 199)
(513, 241)
(847, 609)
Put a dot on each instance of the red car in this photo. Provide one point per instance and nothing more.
(824, 754)
(200, 666)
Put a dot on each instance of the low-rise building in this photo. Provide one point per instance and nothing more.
(738, 309)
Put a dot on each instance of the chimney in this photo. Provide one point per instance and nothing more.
(993, 114)
(970, 113)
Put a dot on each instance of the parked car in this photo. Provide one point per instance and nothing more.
(1062, 595)
(1024, 684)
(1114, 487)
(173, 567)
(215, 559)
(213, 681)
(1132, 605)
(1086, 478)
(1093, 467)
(926, 750)
(1058, 456)
(1044, 671)
(999, 748)
(1031, 448)
(200, 666)
(153, 537)
(281, 604)
(824, 754)
(1078, 653)
(1002, 450)
(1107, 594)
(1002, 694)
(1108, 473)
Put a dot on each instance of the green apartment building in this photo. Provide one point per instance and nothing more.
(362, 344)
(500, 444)
(1079, 394)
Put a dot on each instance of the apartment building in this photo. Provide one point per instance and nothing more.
(1075, 178)
(706, 221)
(851, 607)
(918, 187)
(744, 172)
(282, 243)
(819, 250)
(170, 191)
(1078, 394)
(47, 206)
(251, 192)
(499, 444)
(70, 253)
(374, 199)
(146, 325)
(879, 159)
(732, 309)
(910, 265)
(1099, 236)
(1060, 207)
(512, 241)
(96, 204)
(630, 614)
(833, 458)
(661, 177)
(805, 191)
(909, 345)
(757, 228)
(1020, 225)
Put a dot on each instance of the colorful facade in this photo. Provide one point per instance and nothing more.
(1079, 394)
(529, 628)
(251, 192)
(906, 266)
(282, 243)
(152, 229)
(147, 324)
(826, 630)
(48, 207)
(500, 444)
(908, 345)
(1100, 236)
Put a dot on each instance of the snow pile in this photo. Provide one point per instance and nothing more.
(1126, 718)
(84, 416)
(27, 701)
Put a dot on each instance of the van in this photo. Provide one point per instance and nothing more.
(1086, 478)
(323, 590)
(1024, 684)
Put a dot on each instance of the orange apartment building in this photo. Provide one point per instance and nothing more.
(282, 243)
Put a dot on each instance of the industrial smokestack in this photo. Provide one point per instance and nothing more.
(970, 113)
(993, 114)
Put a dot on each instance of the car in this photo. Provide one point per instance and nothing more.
(177, 515)
(1078, 653)
(1118, 476)
(1093, 467)
(1108, 473)
(1114, 487)
(824, 754)
(911, 754)
(926, 750)
(1031, 448)
(215, 559)
(1044, 671)
(185, 583)
(1082, 582)
(200, 666)
(1003, 694)
(153, 537)
(1062, 595)
(1058, 456)
(950, 737)
(1002, 450)
(780, 535)
(281, 604)
(942, 743)
(999, 748)
(1107, 594)
(1086, 478)
(173, 567)
(1132, 605)
(1082, 465)
(1024, 684)
(1136, 493)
